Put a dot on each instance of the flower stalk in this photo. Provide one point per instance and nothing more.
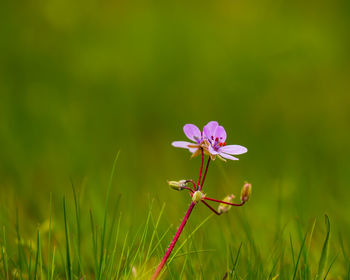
(211, 142)
(173, 242)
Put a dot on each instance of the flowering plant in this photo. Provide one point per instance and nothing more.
(212, 142)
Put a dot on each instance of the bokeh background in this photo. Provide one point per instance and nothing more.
(81, 80)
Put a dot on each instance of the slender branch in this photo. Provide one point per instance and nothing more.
(187, 188)
(205, 173)
(220, 201)
(200, 171)
(211, 208)
(192, 182)
(173, 242)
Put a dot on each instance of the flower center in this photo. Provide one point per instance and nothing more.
(217, 142)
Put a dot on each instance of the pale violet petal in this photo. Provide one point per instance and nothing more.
(228, 156)
(220, 133)
(192, 132)
(212, 151)
(182, 144)
(209, 129)
(233, 149)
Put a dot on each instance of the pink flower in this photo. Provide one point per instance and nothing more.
(211, 140)
(193, 133)
(216, 136)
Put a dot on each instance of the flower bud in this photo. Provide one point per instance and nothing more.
(246, 192)
(223, 208)
(197, 196)
(177, 185)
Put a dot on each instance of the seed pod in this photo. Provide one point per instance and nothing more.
(223, 208)
(246, 192)
(177, 185)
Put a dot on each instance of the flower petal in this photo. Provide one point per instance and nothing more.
(192, 132)
(233, 149)
(220, 133)
(182, 144)
(228, 156)
(209, 129)
(212, 151)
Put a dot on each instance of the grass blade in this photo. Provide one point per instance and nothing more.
(77, 218)
(4, 257)
(68, 259)
(105, 218)
(37, 255)
(49, 257)
(299, 255)
(324, 254)
(94, 242)
(330, 266)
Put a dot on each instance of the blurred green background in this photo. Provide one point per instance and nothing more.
(80, 80)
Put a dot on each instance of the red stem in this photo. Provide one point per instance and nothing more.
(193, 183)
(187, 188)
(173, 242)
(220, 201)
(200, 171)
(211, 208)
(205, 173)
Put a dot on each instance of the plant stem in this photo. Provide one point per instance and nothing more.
(173, 242)
(193, 183)
(224, 202)
(205, 174)
(200, 171)
(211, 208)
(189, 189)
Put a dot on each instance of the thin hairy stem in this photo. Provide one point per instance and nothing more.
(187, 188)
(211, 208)
(224, 202)
(173, 242)
(192, 182)
(200, 171)
(205, 174)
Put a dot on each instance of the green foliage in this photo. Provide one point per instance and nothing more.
(324, 254)
(134, 254)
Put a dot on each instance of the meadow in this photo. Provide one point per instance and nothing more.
(92, 94)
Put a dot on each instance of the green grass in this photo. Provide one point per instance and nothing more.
(118, 250)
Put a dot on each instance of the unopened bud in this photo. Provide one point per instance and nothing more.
(177, 185)
(223, 208)
(246, 192)
(197, 196)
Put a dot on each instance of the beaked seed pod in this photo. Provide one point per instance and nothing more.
(246, 192)
(223, 208)
(177, 185)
